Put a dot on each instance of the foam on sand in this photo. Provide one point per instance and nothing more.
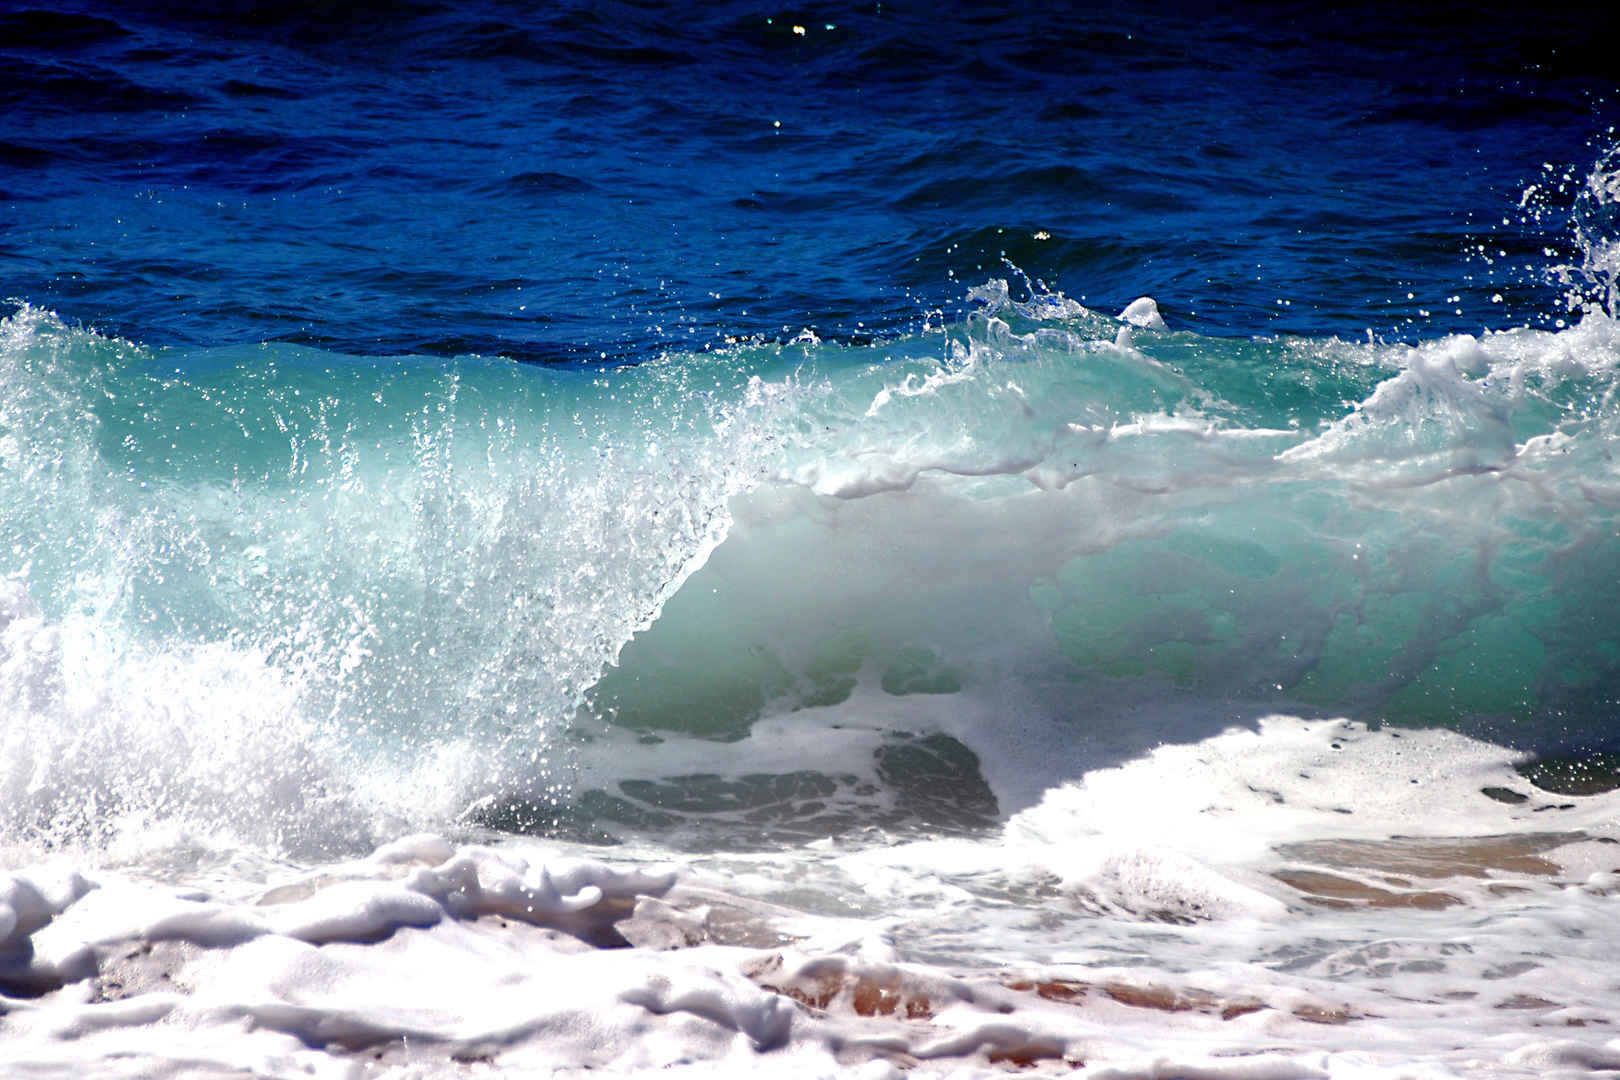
(1314, 917)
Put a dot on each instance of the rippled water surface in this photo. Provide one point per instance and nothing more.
(578, 181)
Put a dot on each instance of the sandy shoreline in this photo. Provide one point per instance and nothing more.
(431, 960)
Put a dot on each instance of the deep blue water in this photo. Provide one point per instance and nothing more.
(613, 180)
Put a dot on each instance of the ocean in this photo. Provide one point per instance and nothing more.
(875, 540)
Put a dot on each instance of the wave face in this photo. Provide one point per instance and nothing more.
(241, 579)
(1061, 541)
(303, 597)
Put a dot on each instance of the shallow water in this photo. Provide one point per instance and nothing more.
(820, 541)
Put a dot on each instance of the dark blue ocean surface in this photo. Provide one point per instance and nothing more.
(578, 181)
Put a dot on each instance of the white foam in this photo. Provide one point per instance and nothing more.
(1132, 921)
(1143, 312)
(127, 751)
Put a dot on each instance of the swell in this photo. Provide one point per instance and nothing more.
(1071, 504)
(989, 557)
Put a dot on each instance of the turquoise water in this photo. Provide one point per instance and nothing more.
(463, 587)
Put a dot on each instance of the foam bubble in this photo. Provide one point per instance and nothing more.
(1143, 312)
